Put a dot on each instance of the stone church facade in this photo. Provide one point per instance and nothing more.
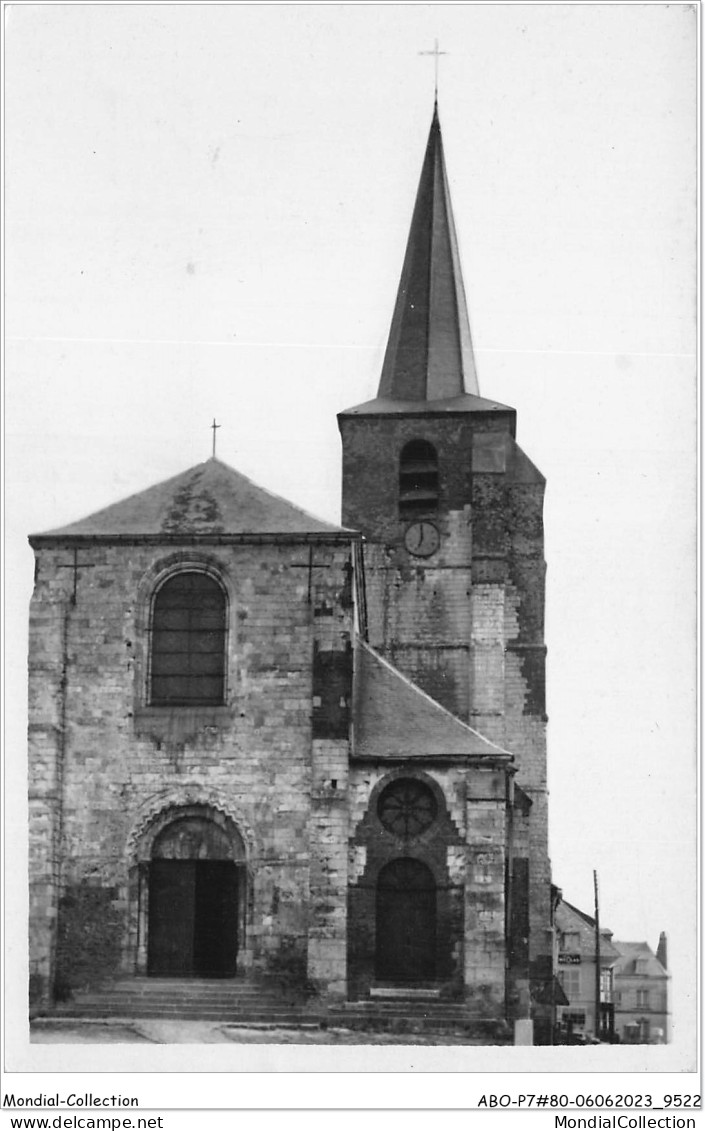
(264, 744)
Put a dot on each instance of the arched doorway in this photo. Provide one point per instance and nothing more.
(406, 922)
(193, 901)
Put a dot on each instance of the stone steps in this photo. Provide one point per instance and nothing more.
(178, 1013)
(191, 999)
(246, 1002)
(443, 1006)
(485, 1031)
(411, 1016)
(251, 998)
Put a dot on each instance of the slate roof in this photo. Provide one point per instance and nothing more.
(429, 363)
(208, 499)
(607, 947)
(387, 406)
(394, 718)
(588, 919)
(632, 952)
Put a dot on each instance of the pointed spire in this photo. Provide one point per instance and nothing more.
(429, 353)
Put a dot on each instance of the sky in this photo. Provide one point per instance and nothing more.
(206, 214)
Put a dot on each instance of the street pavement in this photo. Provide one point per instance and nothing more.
(44, 1031)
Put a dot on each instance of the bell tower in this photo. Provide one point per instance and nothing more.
(451, 512)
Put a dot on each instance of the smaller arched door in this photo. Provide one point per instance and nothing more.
(193, 901)
(406, 922)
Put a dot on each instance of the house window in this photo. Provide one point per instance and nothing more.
(188, 642)
(570, 940)
(418, 479)
(642, 998)
(570, 981)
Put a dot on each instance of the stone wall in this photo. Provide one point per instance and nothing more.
(271, 765)
(465, 850)
(104, 763)
(467, 623)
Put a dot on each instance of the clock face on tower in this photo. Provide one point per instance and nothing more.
(422, 539)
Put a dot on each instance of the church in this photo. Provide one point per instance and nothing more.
(261, 743)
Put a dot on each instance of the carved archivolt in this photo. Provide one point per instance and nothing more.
(190, 799)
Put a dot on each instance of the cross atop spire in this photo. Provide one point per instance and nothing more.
(429, 353)
(435, 53)
(213, 427)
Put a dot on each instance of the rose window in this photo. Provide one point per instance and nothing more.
(407, 807)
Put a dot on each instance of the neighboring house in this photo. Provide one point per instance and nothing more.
(260, 742)
(641, 993)
(575, 963)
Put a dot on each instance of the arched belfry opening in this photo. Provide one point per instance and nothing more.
(194, 883)
(405, 922)
(418, 479)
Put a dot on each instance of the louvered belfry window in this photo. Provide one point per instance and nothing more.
(188, 642)
(418, 478)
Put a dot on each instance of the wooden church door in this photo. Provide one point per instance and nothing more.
(171, 916)
(193, 902)
(406, 922)
(215, 934)
(192, 918)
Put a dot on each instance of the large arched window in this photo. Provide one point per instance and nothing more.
(188, 642)
(418, 478)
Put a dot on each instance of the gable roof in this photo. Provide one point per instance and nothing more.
(587, 925)
(396, 719)
(209, 499)
(632, 952)
(587, 919)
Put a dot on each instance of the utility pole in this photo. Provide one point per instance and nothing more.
(597, 958)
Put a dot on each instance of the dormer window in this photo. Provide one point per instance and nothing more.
(418, 479)
(189, 617)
